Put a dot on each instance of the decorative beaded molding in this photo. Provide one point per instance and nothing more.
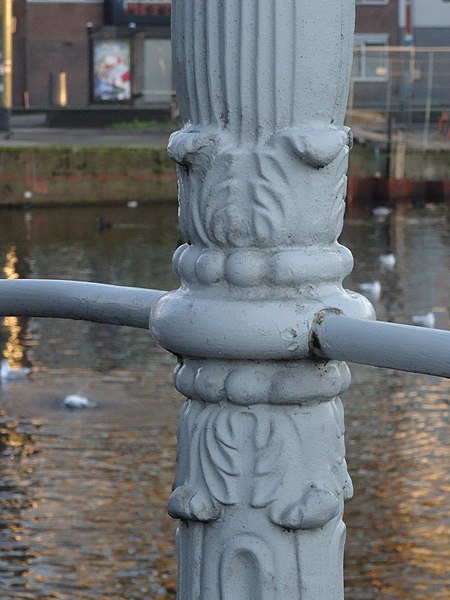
(271, 382)
(291, 267)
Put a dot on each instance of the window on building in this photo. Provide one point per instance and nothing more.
(157, 72)
(370, 60)
(372, 1)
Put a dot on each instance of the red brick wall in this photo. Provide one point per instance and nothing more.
(379, 19)
(56, 40)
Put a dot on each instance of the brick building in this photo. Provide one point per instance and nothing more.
(376, 28)
(91, 53)
(430, 22)
(401, 58)
(104, 54)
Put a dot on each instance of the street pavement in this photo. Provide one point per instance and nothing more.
(30, 130)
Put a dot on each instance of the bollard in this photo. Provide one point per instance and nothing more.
(262, 159)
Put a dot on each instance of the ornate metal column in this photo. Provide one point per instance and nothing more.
(261, 321)
(262, 161)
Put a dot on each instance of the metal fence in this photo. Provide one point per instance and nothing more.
(411, 82)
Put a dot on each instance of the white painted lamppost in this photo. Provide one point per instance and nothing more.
(261, 321)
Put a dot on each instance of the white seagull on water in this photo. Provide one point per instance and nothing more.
(381, 212)
(77, 401)
(6, 373)
(426, 320)
(387, 261)
(371, 289)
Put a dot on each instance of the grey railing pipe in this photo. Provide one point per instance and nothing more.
(96, 302)
(333, 335)
(381, 344)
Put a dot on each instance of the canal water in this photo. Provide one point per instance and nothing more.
(83, 492)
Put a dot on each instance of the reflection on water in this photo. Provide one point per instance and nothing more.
(14, 350)
(398, 452)
(83, 493)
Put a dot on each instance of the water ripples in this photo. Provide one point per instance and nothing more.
(83, 493)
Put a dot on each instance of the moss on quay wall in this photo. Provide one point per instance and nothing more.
(59, 175)
(420, 165)
(85, 175)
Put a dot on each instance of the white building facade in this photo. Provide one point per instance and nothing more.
(430, 20)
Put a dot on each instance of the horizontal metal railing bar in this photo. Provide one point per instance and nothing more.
(333, 336)
(96, 302)
(381, 344)
(402, 49)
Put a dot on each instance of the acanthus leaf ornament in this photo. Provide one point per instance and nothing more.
(231, 457)
(246, 196)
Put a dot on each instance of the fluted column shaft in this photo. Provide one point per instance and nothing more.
(262, 160)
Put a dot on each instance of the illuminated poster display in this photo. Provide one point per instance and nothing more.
(141, 12)
(111, 71)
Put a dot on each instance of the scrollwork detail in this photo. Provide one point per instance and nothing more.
(318, 145)
(207, 463)
(230, 457)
